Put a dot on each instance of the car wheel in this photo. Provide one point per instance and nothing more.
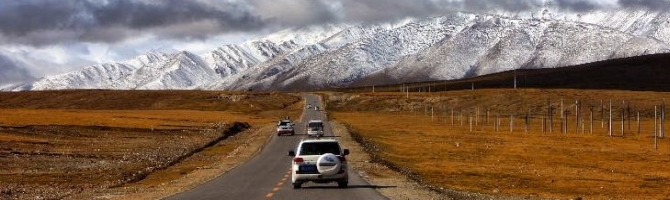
(342, 184)
(297, 185)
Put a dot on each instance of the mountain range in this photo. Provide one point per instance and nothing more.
(453, 46)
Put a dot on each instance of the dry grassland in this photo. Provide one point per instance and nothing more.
(61, 144)
(400, 132)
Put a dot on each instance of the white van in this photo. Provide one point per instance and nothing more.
(314, 128)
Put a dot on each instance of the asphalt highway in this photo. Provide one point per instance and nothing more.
(268, 175)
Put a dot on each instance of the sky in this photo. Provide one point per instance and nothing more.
(46, 37)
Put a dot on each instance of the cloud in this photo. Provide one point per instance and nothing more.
(54, 22)
(305, 12)
(45, 22)
(648, 4)
(10, 72)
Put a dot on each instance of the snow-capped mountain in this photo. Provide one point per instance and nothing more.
(453, 46)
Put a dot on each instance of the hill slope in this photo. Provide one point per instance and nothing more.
(454, 46)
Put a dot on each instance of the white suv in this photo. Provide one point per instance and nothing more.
(319, 160)
(285, 127)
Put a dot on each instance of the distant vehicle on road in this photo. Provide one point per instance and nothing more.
(285, 127)
(314, 128)
(309, 106)
(319, 160)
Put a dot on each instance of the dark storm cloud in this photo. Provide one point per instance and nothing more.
(577, 5)
(47, 22)
(509, 5)
(320, 11)
(40, 22)
(10, 72)
(649, 4)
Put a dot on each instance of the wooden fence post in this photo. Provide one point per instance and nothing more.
(655, 120)
(602, 114)
(576, 116)
(610, 120)
(591, 109)
(452, 116)
(470, 121)
(663, 119)
(511, 123)
(638, 122)
(623, 104)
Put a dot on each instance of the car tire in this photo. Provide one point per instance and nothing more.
(342, 184)
(297, 185)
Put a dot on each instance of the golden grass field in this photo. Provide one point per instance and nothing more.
(59, 144)
(400, 131)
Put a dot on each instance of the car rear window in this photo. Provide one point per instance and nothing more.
(315, 124)
(320, 148)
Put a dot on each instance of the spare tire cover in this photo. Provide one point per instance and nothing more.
(328, 164)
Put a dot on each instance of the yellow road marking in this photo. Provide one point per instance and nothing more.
(280, 183)
(269, 195)
(275, 189)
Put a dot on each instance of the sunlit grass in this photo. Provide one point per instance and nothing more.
(530, 163)
(61, 143)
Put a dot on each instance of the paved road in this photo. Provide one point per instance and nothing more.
(268, 176)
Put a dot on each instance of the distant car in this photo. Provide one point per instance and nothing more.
(316, 108)
(319, 160)
(314, 128)
(309, 106)
(285, 127)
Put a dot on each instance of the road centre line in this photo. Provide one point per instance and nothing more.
(279, 184)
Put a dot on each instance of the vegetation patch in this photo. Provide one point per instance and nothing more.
(61, 144)
(417, 137)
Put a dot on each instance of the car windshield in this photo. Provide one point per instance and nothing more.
(284, 123)
(320, 148)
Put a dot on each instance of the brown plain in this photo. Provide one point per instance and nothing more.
(400, 132)
(91, 144)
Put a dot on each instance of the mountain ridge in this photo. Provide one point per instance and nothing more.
(453, 46)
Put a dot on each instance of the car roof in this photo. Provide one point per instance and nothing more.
(315, 120)
(285, 120)
(321, 139)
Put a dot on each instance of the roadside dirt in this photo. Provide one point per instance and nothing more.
(55, 162)
(209, 164)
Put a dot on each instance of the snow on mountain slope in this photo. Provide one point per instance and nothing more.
(497, 44)
(264, 76)
(453, 46)
(357, 59)
(183, 70)
(104, 76)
